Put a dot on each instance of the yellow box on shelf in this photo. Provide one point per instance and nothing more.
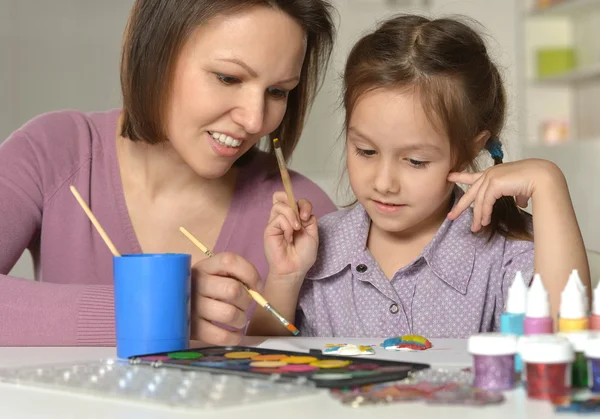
(555, 61)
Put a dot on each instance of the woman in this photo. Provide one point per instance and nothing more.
(202, 83)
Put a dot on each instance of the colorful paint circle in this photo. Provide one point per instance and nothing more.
(155, 358)
(331, 376)
(362, 367)
(185, 355)
(213, 358)
(269, 357)
(330, 363)
(298, 368)
(241, 355)
(296, 359)
(266, 370)
(210, 364)
(267, 364)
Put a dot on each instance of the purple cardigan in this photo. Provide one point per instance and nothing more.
(71, 301)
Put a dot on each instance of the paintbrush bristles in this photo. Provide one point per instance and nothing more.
(197, 242)
(95, 222)
(285, 176)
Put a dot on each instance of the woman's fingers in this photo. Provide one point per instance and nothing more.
(228, 265)
(212, 334)
(219, 311)
(224, 289)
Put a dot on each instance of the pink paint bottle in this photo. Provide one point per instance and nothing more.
(595, 317)
(538, 319)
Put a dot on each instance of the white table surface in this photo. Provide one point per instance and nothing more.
(28, 403)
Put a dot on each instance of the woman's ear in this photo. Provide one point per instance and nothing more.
(480, 141)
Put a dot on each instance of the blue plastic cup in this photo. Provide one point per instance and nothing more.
(152, 303)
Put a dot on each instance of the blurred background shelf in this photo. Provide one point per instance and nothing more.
(565, 8)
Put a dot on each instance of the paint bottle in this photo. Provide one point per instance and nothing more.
(572, 313)
(595, 317)
(511, 322)
(592, 353)
(547, 360)
(538, 319)
(579, 369)
(493, 360)
(582, 288)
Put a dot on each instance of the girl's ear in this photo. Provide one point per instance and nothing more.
(480, 141)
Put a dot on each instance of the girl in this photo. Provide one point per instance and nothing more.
(202, 82)
(422, 100)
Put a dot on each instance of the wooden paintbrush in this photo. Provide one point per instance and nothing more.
(254, 294)
(285, 176)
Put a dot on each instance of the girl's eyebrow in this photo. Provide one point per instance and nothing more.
(406, 147)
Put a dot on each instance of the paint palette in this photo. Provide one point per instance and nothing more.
(118, 380)
(323, 370)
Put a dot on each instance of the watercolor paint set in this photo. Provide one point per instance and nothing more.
(326, 371)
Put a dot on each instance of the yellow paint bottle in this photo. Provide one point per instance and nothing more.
(573, 314)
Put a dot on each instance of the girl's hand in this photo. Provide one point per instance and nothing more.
(290, 243)
(521, 180)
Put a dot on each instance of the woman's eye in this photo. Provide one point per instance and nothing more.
(225, 79)
(278, 93)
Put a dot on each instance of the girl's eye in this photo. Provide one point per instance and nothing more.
(364, 153)
(278, 93)
(417, 163)
(225, 79)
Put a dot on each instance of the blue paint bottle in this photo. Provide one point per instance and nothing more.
(511, 322)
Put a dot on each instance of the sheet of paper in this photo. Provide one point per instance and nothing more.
(443, 353)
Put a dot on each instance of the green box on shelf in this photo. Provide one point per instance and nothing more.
(554, 61)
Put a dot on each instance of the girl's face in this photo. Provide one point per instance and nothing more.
(230, 86)
(398, 163)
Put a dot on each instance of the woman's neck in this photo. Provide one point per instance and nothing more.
(159, 170)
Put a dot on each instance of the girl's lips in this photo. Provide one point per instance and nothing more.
(388, 208)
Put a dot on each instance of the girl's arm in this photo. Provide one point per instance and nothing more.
(559, 246)
(291, 243)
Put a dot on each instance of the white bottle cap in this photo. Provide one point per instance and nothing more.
(546, 349)
(572, 305)
(516, 302)
(492, 344)
(582, 288)
(577, 338)
(596, 304)
(538, 305)
(592, 346)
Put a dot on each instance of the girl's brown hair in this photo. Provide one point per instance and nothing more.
(155, 35)
(461, 89)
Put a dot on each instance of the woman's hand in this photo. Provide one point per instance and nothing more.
(521, 180)
(290, 243)
(219, 296)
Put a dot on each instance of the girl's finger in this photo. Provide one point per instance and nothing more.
(492, 194)
(305, 209)
(465, 201)
(478, 206)
(280, 196)
(522, 201)
(281, 226)
(466, 178)
(280, 208)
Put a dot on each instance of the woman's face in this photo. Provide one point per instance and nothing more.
(230, 86)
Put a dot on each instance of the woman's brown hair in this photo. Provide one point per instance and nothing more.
(461, 89)
(156, 33)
